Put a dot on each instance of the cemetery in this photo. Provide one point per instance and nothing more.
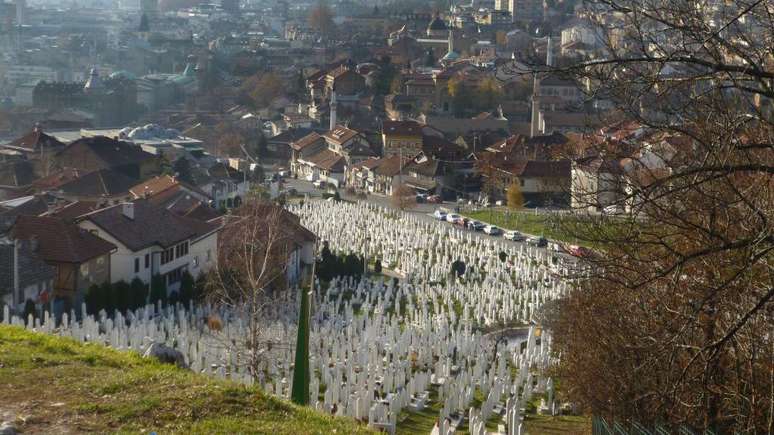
(434, 352)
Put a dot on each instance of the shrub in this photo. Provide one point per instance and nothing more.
(187, 290)
(29, 308)
(139, 293)
(158, 289)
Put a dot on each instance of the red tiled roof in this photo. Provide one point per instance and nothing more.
(151, 225)
(59, 241)
(340, 134)
(153, 186)
(402, 128)
(76, 209)
(35, 140)
(56, 179)
(328, 160)
(305, 141)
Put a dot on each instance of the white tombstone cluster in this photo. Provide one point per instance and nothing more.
(379, 349)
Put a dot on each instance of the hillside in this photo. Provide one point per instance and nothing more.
(55, 385)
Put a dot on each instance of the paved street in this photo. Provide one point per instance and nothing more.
(422, 211)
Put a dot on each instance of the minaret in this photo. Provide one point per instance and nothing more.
(21, 7)
(500, 115)
(333, 110)
(535, 125)
(93, 83)
(549, 53)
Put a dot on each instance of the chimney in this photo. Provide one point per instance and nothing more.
(127, 209)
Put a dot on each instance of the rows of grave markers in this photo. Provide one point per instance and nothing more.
(377, 348)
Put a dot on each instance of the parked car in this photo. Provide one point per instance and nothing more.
(440, 215)
(540, 242)
(492, 230)
(475, 225)
(435, 199)
(421, 198)
(579, 251)
(556, 247)
(319, 184)
(452, 217)
(462, 221)
(514, 235)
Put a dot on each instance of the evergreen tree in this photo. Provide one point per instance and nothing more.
(186, 288)
(121, 295)
(139, 293)
(92, 299)
(29, 308)
(158, 289)
(144, 25)
(300, 388)
(458, 268)
(107, 299)
(182, 168)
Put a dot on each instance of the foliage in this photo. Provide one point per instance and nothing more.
(262, 89)
(182, 168)
(673, 325)
(514, 196)
(139, 293)
(321, 19)
(330, 266)
(403, 197)
(458, 268)
(187, 288)
(158, 291)
(489, 93)
(29, 309)
(301, 375)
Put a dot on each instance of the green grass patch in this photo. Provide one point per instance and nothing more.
(554, 226)
(59, 385)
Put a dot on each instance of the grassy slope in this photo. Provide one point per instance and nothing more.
(55, 385)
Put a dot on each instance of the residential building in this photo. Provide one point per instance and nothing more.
(401, 137)
(151, 240)
(91, 154)
(23, 275)
(81, 258)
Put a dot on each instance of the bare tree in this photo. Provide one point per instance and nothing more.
(321, 19)
(673, 322)
(403, 197)
(250, 279)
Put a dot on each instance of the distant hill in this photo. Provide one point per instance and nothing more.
(55, 385)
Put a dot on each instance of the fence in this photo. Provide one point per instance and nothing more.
(600, 426)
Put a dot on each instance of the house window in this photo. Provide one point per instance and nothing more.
(521, 181)
(196, 261)
(147, 261)
(167, 255)
(181, 249)
(137, 265)
(208, 255)
(175, 275)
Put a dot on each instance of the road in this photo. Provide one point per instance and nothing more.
(422, 211)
